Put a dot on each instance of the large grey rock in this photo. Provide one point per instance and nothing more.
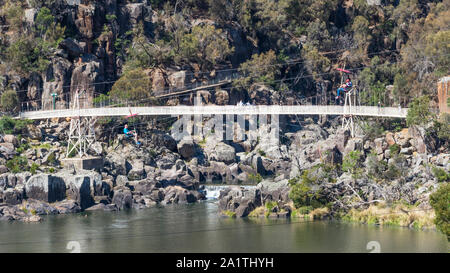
(123, 199)
(7, 150)
(11, 139)
(46, 188)
(56, 80)
(164, 140)
(82, 190)
(137, 171)
(166, 161)
(186, 148)
(177, 194)
(223, 153)
(72, 47)
(116, 164)
(96, 148)
(240, 200)
(13, 196)
(91, 76)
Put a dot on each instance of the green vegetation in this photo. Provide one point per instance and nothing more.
(254, 178)
(30, 51)
(205, 45)
(396, 215)
(419, 111)
(230, 214)
(133, 85)
(9, 101)
(34, 167)
(302, 193)
(261, 68)
(17, 164)
(440, 201)
(9, 125)
(352, 163)
(441, 174)
(394, 149)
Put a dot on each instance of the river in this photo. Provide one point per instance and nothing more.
(198, 228)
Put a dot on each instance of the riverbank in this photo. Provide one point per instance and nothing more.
(196, 228)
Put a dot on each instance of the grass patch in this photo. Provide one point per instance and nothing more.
(229, 213)
(399, 215)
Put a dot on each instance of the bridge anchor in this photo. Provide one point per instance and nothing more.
(81, 131)
(347, 118)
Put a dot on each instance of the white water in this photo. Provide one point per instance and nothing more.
(213, 191)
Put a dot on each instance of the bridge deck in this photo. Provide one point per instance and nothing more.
(222, 110)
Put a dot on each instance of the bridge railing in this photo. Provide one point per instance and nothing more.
(98, 100)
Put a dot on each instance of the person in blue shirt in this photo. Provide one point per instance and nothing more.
(344, 88)
(131, 133)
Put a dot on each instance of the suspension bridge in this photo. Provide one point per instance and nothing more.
(83, 110)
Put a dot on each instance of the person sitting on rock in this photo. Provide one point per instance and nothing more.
(131, 133)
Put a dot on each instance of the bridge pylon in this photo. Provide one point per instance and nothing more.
(347, 118)
(81, 131)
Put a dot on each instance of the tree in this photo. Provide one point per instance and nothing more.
(440, 201)
(262, 68)
(132, 85)
(351, 163)
(206, 46)
(419, 111)
(302, 194)
(10, 101)
(144, 54)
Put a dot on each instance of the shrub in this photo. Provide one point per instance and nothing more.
(10, 101)
(394, 149)
(351, 163)
(17, 164)
(13, 126)
(34, 168)
(254, 178)
(419, 111)
(441, 174)
(302, 194)
(440, 201)
(133, 85)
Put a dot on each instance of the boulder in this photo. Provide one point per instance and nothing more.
(82, 189)
(137, 171)
(46, 188)
(390, 138)
(186, 148)
(116, 163)
(3, 169)
(7, 149)
(164, 140)
(223, 153)
(166, 161)
(11, 139)
(179, 79)
(121, 181)
(144, 186)
(177, 194)
(122, 198)
(67, 206)
(96, 148)
(13, 196)
(72, 47)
